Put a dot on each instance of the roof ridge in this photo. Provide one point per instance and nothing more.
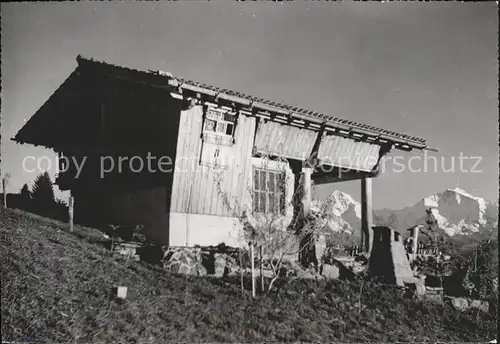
(296, 109)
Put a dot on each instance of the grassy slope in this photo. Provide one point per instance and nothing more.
(56, 286)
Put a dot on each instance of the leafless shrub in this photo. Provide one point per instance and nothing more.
(281, 236)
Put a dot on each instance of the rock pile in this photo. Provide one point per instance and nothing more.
(184, 260)
(200, 261)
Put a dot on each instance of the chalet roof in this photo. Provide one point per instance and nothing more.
(273, 108)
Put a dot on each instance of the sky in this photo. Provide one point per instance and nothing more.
(426, 69)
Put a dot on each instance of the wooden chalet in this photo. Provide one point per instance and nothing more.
(227, 151)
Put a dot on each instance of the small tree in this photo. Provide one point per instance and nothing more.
(43, 195)
(25, 192)
(25, 197)
(482, 268)
(42, 189)
(278, 242)
(5, 181)
(273, 231)
(435, 264)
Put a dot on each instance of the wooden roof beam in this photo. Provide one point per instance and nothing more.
(243, 102)
(345, 176)
(313, 155)
(262, 103)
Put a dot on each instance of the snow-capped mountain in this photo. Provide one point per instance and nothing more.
(343, 212)
(456, 211)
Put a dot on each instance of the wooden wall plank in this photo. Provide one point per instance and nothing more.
(348, 153)
(284, 140)
(205, 198)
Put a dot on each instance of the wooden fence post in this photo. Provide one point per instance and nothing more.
(261, 270)
(70, 210)
(241, 273)
(4, 182)
(253, 268)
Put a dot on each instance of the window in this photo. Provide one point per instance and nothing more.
(219, 123)
(218, 130)
(268, 191)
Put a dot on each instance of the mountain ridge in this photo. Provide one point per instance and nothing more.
(457, 213)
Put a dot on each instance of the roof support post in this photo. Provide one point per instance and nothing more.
(414, 243)
(306, 191)
(366, 214)
(313, 156)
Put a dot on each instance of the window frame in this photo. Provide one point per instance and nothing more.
(219, 117)
(278, 195)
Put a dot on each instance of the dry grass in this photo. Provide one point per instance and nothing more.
(57, 287)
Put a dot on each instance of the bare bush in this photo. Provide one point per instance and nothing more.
(281, 236)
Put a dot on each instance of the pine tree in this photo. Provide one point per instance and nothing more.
(25, 198)
(42, 195)
(25, 192)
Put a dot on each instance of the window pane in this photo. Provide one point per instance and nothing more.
(229, 129)
(281, 182)
(273, 203)
(211, 114)
(229, 117)
(216, 115)
(262, 202)
(255, 179)
(210, 125)
(271, 182)
(221, 127)
(263, 180)
(269, 192)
